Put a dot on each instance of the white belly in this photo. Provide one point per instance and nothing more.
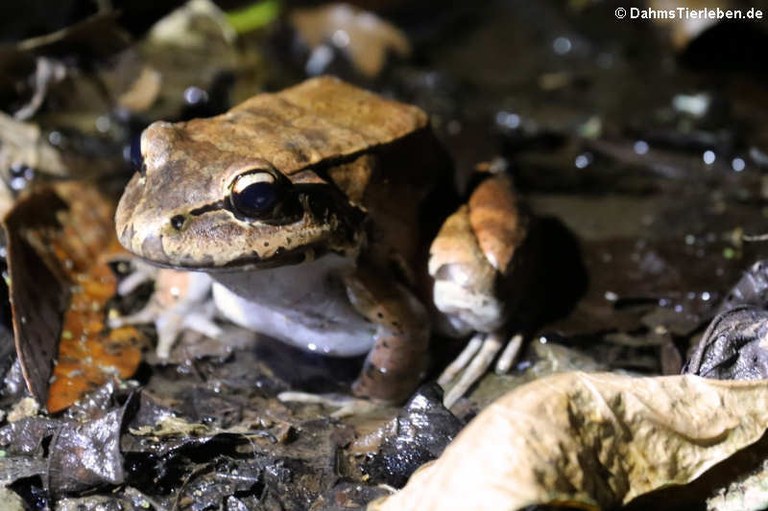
(305, 305)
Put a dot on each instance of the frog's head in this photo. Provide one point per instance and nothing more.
(201, 202)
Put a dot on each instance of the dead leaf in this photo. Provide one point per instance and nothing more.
(31, 68)
(589, 440)
(26, 152)
(683, 29)
(749, 493)
(364, 37)
(59, 243)
(733, 347)
(87, 454)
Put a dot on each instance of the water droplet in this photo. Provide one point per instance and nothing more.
(55, 138)
(562, 45)
(18, 183)
(709, 157)
(195, 95)
(583, 160)
(738, 164)
(103, 123)
(508, 120)
(641, 147)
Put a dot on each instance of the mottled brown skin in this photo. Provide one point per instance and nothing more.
(360, 166)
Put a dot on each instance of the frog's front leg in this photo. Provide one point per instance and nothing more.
(476, 263)
(397, 361)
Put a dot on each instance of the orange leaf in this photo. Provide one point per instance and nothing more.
(60, 240)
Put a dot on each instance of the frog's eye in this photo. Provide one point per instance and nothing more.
(254, 194)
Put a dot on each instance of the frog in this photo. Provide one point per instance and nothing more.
(316, 212)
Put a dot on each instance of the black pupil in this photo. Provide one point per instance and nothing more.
(256, 199)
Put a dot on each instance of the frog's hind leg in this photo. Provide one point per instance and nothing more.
(476, 262)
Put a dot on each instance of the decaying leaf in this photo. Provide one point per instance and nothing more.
(187, 58)
(38, 61)
(589, 440)
(59, 243)
(194, 24)
(23, 143)
(751, 289)
(733, 347)
(419, 433)
(683, 29)
(85, 455)
(749, 493)
(365, 38)
(25, 152)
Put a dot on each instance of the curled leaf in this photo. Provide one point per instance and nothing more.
(366, 39)
(60, 240)
(589, 440)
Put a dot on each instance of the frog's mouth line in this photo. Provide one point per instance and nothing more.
(286, 258)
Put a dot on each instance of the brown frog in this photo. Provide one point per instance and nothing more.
(312, 210)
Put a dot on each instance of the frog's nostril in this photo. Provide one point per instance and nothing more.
(177, 222)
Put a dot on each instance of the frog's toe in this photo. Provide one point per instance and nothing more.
(460, 363)
(508, 356)
(345, 406)
(148, 314)
(203, 324)
(169, 326)
(473, 362)
(175, 321)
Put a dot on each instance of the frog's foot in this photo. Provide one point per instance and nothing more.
(141, 273)
(181, 301)
(346, 406)
(171, 322)
(473, 362)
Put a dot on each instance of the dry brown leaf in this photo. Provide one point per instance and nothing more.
(683, 29)
(366, 38)
(60, 240)
(590, 440)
